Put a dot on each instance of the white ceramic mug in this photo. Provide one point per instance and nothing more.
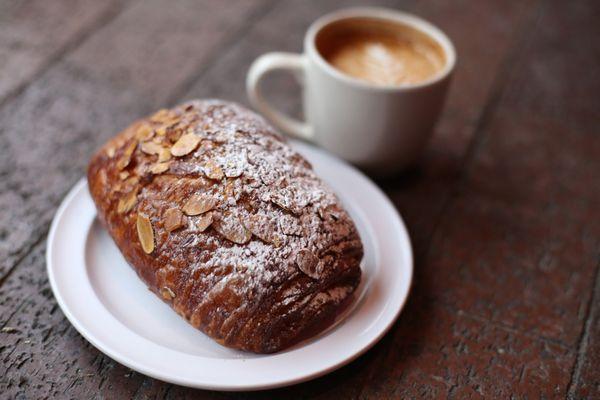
(379, 128)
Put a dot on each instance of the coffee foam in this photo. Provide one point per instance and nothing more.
(380, 52)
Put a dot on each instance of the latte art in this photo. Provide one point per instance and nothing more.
(381, 53)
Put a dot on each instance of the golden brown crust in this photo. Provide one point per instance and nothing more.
(227, 224)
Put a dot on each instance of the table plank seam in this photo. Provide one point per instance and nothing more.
(12, 314)
(69, 46)
(584, 338)
(522, 39)
(137, 390)
(506, 327)
(167, 391)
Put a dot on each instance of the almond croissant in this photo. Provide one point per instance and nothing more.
(224, 221)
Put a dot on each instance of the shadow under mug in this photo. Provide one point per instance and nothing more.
(379, 128)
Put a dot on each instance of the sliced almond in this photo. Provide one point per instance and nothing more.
(164, 155)
(185, 145)
(230, 226)
(103, 179)
(213, 171)
(151, 148)
(144, 132)
(176, 124)
(277, 240)
(328, 212)
(162, 115)
(127, 202)
(159, 168)
(201, 222)
(167, 293)
(264, 228)
(235, 165)
(307, 262)
(269, 176)
(281, 201)
(145, 233)
(199, 204)
(159, 115)
(161, 131)
(173, 219)
(231, 191)
(126, 157)
(110, 152)
(131, 181)
(290, 199)
(174, 134)
(290, 225)
(123, 175)
(233, 173)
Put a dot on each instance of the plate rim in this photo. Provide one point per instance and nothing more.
(302, 377)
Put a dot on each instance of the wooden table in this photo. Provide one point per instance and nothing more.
(503, 209)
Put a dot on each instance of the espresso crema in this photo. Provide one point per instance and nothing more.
(380, 52)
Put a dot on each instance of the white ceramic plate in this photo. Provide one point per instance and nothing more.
(111, 307)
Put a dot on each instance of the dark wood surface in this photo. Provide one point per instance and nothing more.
(503, 208)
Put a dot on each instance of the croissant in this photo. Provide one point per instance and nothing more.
(228, 224)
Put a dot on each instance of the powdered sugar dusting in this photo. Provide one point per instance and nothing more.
(278, 238)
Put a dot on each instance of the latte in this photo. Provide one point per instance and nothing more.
(381, 52)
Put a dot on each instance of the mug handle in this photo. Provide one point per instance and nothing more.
(261, 67)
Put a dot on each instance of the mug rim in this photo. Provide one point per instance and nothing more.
(387, 14)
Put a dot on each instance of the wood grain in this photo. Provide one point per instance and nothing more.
(503, 208)
(34, 34)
